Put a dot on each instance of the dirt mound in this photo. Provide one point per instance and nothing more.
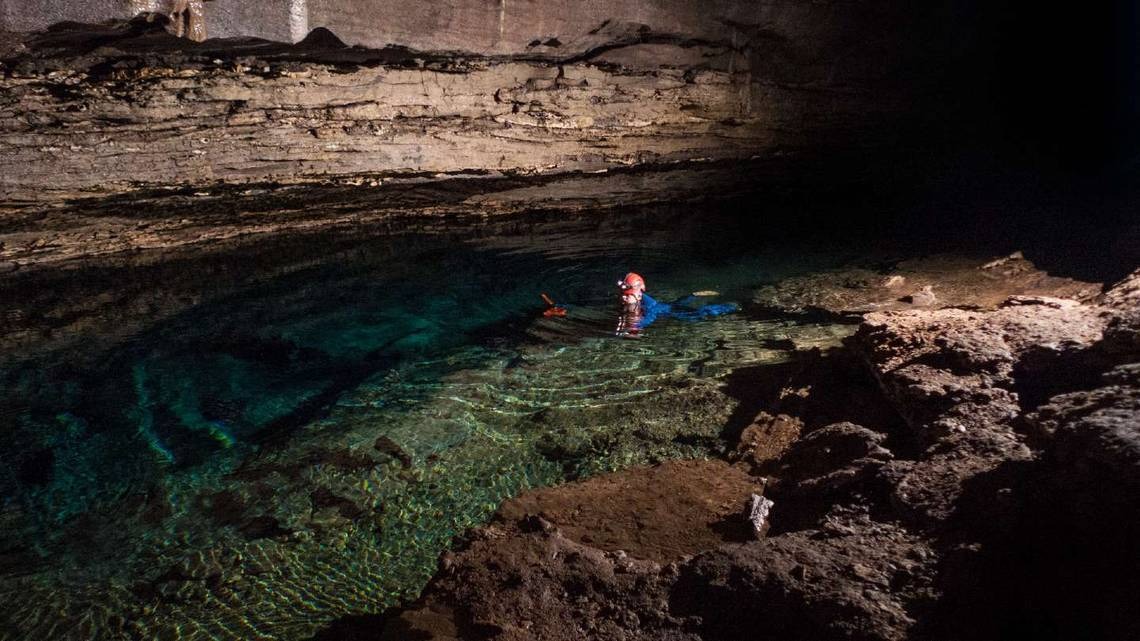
(660, 513)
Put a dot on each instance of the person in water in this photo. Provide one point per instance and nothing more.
(640, 310)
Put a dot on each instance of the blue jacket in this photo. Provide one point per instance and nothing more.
(652, 309)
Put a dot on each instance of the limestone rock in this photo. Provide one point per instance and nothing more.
(953, 370)
(1122, 336)
(1096, 436)
(827, 468)
(922, 298)
(591, 560)
(757, 513)
(960, 379)
(767, 438)
(795, 587)
(959, 282)
(187, 19)
(466, 88)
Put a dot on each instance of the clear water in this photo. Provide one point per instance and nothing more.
(254, 443)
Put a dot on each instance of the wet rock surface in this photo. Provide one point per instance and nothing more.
(992, 493)
(935, 282)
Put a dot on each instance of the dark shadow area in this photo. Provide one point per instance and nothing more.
(817, 388)
(1049, 548)
(749, 606)
(1041, 374)
(734, 529)
(1054, 557)
(755, 389)
(359, 627)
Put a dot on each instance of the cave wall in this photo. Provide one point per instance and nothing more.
(1010, 69)
(532, 87)
(32, 15)
(511, 26)
(477, 26)
(191, 126)
(269, 19)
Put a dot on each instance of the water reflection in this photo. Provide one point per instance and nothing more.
(257, 441)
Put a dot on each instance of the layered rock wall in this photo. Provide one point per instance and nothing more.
(16, 15)
(534, 88)
(474, 26)
(276, 123)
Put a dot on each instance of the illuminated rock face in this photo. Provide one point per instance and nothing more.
(476, 26)
(294, 121)
(102, 109)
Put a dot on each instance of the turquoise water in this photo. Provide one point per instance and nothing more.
(253, 443)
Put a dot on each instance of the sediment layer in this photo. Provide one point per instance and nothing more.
(102, 109)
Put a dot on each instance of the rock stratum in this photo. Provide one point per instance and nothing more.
(965, 471)
(98, 109)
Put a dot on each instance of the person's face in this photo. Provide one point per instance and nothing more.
(630, 298)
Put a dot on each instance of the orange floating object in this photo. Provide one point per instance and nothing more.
(552, 309)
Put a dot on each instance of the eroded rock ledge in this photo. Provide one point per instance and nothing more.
(952, 472)
(89, 109)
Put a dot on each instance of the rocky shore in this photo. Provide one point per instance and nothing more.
(965, 466)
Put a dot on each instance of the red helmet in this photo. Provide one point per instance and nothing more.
(632, 281)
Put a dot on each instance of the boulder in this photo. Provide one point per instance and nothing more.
(767, 438)
(802, 586)
(1122, 302)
